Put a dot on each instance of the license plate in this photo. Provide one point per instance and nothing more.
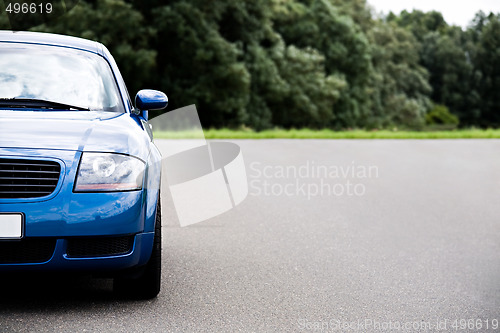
(11, 226)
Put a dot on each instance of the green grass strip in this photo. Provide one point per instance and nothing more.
(330, 134)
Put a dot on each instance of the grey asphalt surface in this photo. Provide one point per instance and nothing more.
(420, 245)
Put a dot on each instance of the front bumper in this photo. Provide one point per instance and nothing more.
(64, 216)
(60, 260)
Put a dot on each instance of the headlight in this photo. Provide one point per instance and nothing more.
(109, 172)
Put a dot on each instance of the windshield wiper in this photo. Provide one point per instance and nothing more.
(37, 103)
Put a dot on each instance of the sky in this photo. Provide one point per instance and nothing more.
(457, 12)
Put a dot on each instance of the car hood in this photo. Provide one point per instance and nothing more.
(73, 130)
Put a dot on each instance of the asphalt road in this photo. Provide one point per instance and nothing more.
(416, 241)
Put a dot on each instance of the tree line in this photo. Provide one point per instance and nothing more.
(300, 63)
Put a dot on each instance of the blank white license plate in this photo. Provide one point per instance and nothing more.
(11, 226)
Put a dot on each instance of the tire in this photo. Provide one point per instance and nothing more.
(146, 282)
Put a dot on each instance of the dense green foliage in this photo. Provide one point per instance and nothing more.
(299, 63)
(441, 117)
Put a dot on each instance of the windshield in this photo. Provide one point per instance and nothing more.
(57, 74)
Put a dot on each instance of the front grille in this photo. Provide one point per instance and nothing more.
(20, 178)
(29, 250)
(99, 246)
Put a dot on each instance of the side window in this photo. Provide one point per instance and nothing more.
(119, 78)
(129, 100)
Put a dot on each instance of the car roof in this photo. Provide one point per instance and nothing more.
(50, 39)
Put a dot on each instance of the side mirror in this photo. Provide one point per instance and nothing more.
(148, 99)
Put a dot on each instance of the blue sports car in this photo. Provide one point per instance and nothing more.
(79, 173)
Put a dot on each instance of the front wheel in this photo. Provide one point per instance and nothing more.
(146, 284)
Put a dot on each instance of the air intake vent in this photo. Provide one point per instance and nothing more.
(32, 250)
(99, 246)
(20, 178)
